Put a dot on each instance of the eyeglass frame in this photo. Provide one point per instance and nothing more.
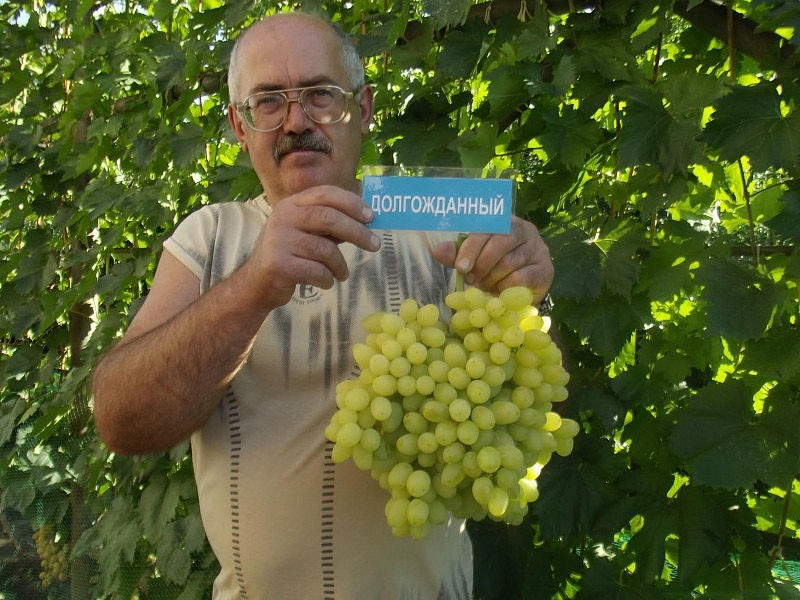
(242, 107)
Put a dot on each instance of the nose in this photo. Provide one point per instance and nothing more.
(296, 118)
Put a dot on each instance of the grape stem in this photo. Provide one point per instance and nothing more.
(459, 282)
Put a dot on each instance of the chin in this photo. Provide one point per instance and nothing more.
(310, 171)
(302, 179)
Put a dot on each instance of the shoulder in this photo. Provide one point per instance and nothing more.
(215, 239)
(254, 208)
(207, 220)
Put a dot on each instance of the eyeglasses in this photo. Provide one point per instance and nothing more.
(267, 111)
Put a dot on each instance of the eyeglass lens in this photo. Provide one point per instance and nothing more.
(324, 105)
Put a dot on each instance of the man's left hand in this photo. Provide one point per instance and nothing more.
(494, 262)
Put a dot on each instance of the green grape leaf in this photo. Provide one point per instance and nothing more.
(194, 535)
(445, 13)
(187, 145)
(776, 352)
(751, 566)
(621, 270)
(414, 48)
(607, 323)
(740, 303)
(460, 52)
(9, 412)
(569, 136)
(24, 316)
(602, 52)
(377, 39)
(159, 504)
(651, 135)
(703, 530)
(119, 533)
(570, 498)
(534, 38)
(18, 496)
(577, 265)
(143, 151)
(506, 91)
(149, 507)
(726, 444)
(173, 559)
(171, 67)
(787, 222)
(649, 542)
(690, 93)
(476, 147)
(749, 122)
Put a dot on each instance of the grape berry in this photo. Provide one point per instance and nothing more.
(454, 419)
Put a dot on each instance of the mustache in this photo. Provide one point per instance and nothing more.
(292, 142)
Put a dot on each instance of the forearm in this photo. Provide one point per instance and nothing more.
(155, 390)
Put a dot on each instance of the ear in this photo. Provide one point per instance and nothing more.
(366, 104)
(237, 125)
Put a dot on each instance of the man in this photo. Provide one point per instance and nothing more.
(249, 324)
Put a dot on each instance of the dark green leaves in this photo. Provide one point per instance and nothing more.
(651, 135)
(728, 445)
(787, 223)
(447, 12)
(570, 136)
(460, 52)
(758, 123)
(740, 304)
(506, 92)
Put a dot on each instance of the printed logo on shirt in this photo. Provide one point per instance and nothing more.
(306, 294)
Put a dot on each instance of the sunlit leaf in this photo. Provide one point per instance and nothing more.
(749, 122)
(446, 12)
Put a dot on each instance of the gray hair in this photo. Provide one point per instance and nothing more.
(349, 55)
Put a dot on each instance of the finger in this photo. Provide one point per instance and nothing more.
(336, 214)
(445, 253)
(494, 265)
(492, 258)
(479, 257)
(342, 200)
(314, 250)
(537, 277)
(528, 265)
(496, 262)
(470, 251)
(330, 223)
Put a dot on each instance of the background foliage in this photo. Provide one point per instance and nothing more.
(658, 147)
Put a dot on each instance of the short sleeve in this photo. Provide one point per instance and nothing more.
(215, 240)
(192, 242)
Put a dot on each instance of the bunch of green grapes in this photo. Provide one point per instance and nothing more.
(53, 555)
(454, 418)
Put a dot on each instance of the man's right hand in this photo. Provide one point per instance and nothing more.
(300, 242)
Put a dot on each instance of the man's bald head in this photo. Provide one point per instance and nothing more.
(349, 55)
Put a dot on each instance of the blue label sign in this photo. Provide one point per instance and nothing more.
(453, 204)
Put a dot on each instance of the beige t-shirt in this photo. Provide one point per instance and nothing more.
(284, 521)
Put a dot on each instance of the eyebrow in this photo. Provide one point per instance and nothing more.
(267, 87)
